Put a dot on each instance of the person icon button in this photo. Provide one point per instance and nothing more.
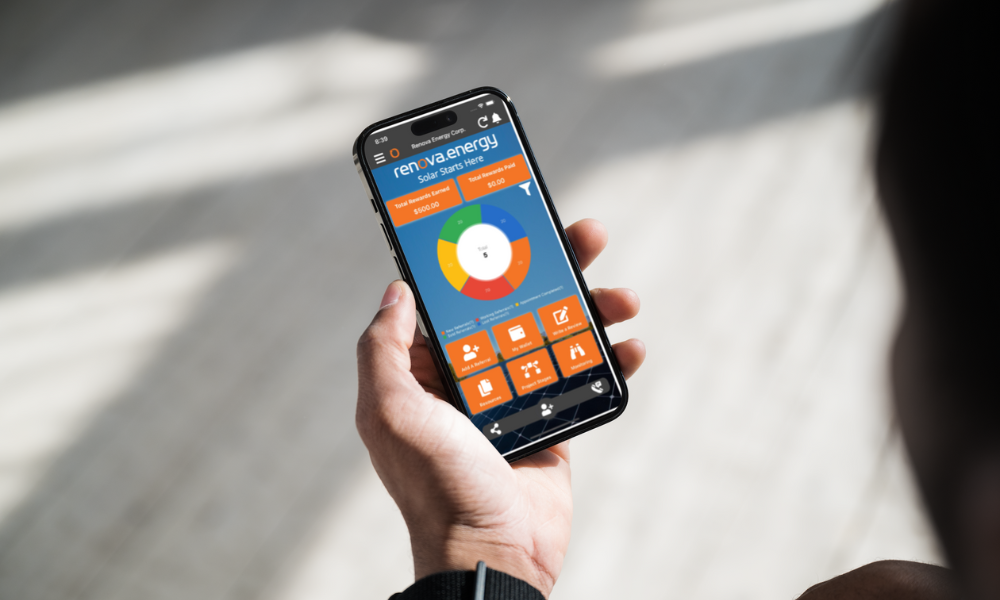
(470, 352)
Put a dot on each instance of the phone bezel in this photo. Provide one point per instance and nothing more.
(437, 350)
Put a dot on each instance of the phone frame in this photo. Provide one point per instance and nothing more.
(395, 249)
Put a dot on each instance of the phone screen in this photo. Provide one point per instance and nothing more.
(499, 290)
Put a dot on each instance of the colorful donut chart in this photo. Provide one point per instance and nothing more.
(484, 252)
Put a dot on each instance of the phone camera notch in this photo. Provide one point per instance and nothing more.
(433, 123)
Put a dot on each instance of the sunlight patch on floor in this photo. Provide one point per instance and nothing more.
(730, 32)
(259, 111)
(69, 347)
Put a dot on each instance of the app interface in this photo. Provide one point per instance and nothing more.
(487, 261)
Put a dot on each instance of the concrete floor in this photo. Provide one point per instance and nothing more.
(187, 259)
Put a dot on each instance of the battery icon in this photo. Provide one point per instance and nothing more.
(489, 103)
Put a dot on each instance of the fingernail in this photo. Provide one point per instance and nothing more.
(391, 296)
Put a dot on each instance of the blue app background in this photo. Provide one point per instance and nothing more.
(448, 307)
(391, 186)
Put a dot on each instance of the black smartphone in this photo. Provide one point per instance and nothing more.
(500, 296)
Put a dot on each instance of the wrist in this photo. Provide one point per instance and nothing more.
(462, 550)
(482, 584)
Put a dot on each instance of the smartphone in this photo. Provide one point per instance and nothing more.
(501, 300)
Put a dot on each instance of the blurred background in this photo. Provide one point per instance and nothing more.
(187, 259)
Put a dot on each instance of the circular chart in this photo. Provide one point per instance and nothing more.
(484, 252)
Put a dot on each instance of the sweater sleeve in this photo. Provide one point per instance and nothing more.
(461, 585)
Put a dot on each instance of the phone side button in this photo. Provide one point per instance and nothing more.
(374, 206)
(386, 234)
(399, 268)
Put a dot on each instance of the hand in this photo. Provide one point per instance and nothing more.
(461, 501)
(890, 580)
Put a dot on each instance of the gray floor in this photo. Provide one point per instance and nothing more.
(187, 259)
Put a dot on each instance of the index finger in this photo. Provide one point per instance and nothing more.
(589, 237)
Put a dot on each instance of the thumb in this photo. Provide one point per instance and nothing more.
(384, 347)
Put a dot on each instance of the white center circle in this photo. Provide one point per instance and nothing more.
(484, 252)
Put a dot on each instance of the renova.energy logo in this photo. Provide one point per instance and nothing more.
(438, 160)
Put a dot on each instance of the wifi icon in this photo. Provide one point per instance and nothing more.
(480, 105)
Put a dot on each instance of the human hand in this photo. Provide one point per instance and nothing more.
(462, 502)
(890, 580)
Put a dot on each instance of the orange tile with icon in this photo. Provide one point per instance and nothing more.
(486, 390)
(494, 177)
(517, 335)
(471, 353)
(532, 372)
(563, 318)
(578, 353)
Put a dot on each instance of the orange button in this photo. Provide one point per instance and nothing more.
(578, 353)
(485, 390)
(517, 335)
(493, 178)
(472, 353)
(563, 318)
(423, 202)
(532, 372)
